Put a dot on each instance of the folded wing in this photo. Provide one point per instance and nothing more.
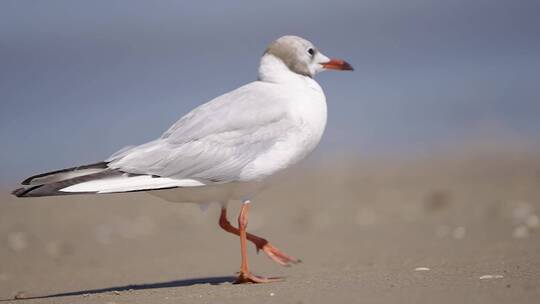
(212, 144)
(217, 140)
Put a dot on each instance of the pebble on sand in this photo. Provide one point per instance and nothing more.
(491, 276)
(20, 295)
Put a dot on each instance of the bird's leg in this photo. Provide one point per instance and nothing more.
(259, 242)
(245, 276)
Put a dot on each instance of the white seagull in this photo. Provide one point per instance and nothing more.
(223, 150)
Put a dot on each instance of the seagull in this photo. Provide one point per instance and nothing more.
(224, 150)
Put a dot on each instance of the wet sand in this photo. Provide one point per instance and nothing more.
(459, 229)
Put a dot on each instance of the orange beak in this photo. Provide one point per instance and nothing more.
(337, 64)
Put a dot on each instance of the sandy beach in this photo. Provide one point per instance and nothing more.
(459, 229)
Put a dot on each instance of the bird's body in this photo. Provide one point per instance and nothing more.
(292, 133)
(226, 149)
(241, 154)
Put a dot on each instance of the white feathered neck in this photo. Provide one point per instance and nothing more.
(273, 69)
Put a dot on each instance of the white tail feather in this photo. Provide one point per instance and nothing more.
(125, 183)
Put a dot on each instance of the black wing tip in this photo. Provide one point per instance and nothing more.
(54, 189)
(27, 181)
(101, 165)
(24, 192)
(18, 192)
(41, 191)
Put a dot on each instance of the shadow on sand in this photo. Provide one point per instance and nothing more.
(176, 283)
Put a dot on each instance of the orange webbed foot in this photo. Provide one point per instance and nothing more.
(277, 256)
(249, 278)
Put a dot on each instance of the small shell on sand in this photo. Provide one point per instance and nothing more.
(491, 276)
(422, 269)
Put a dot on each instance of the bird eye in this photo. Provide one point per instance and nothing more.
(311, 51)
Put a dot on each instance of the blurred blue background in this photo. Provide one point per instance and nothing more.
(81, 79)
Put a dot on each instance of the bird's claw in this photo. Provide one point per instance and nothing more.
(248, 278)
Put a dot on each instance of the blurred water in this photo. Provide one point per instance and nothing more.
(80, 79)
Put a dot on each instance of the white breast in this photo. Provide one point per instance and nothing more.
(307, 115)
